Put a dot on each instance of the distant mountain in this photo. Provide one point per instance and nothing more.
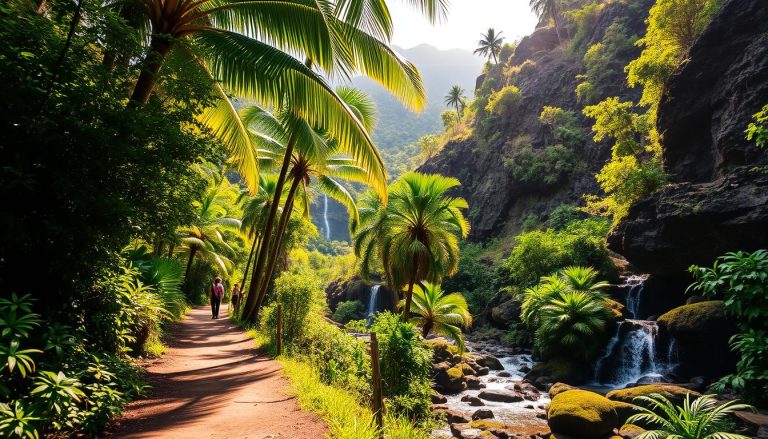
(440, 70)
(398, 127)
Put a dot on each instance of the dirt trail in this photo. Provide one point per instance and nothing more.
(213, 384)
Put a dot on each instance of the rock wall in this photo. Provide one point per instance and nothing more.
(717, 202)
(497, 202)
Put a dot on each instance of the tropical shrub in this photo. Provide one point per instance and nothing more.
(563, 215)
(298, 294)
(757, 130)
(475, 278)
(441, 313)
(741, 279)
(505, 101)
(604, 71)
(542, 168)
(405, 363)
(539, 253)
(348, 311)
(704, 418)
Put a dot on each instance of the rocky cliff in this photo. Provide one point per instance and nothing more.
(717, 202)
(546, 72)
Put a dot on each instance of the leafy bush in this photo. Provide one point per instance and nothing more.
(405, 366)
(564, 215)
(298, 294)
(540, 253)
(604, 70)
(348, 311)
(475, 278)
(742, 280)
(505, 101)
(564, 125)
(757, 130)
(542, 168)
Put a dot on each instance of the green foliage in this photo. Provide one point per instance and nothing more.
(504, 102)
(635, 169)
(604, 71)
(564, 126)
(568, 313)
(542, 168)
(741, 279)
(449, 118)
(703, 418)
(405, 366)
(584, 19)
(563, 215)
(540, 253)
(757, 130)
(475, 278)
(348, 311)
(441, 313)
(298, 294)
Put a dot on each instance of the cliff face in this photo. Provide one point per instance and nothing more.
(717, 202)
(498, 201)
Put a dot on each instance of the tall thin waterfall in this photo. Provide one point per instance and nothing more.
(325, 218)
(634, 294)
(373, 302)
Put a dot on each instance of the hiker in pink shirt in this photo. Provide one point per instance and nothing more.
(217, 292)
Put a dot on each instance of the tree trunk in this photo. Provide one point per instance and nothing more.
(409, 293)
(158, 50)
(171, 247)
(248, 264)
(425, 329)
(275, 253)
(267, 235)
(192, 252)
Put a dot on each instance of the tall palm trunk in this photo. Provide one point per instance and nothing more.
(250, 304)
(409, 293)
(248, 264)
(158, 50)
(275, 253)
(192, 252)
(426, 329)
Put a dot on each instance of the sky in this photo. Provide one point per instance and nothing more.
(467, 19)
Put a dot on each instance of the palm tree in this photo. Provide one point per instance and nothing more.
(456, 97)
(440, 313)
(582, 279)
(549, 10)
(247, 45)
(704, 418)
(205, 237)
(538, 296)
(318, 157)
(567, 320)
(490, 45)
(416, 236)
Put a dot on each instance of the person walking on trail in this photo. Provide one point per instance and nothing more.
(217, 292)
(235, 300)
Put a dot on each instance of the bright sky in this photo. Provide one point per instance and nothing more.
(467, 19)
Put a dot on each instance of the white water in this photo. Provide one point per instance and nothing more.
(325, 219)
(630, 355)
(372, 302)
(635, 285)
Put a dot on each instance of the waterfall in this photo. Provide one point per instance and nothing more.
(372, 302)
(630, 355)
(634, 294)
(325, 218)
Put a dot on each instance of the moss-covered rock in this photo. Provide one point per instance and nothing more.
(624, 410)
(630, 431)
(582, 414)
(486, 424)
(676, 394)
(442, 350)
(559, 388)
(618, 310)
(466, 369)
(701, 331)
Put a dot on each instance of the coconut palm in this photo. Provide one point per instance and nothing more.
(582, 279)
(416, 236)
(247, 47)
(566, 321)
(205, 238)
(538, 296)
(549, 10)
(317, 157)
(443, 314)
(455, 98)
(704, 418)
(490, 45)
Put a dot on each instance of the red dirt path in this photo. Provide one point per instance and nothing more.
(212, 383)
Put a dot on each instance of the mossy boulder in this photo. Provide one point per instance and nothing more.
(618, 310)
(676, 394)
(442, 350)
(559, 388)
(630, 431)
(582, 414)
(701, 332)
(624, 410)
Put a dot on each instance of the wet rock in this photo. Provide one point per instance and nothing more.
(489, 361)
(504, 374)
(699, 383)
(482, 370)
(472, 400)
(501, 396)
(630, 431)
(437, 398)
(455, 416)
(450, 380)
(473, 382)
(482, 414)
(464, 431)
(652, 379)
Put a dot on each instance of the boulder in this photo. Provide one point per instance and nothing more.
(437, 398)
(501, 396)
(450, 380)
(559, 388)
(489, 361)
(464, 431)
(630, 431)
(472, 400)
(625, 410)
(454, 416)
(442, 350)
(473, 382)
(482, 414)
(676, 394)
(582, 414)
(701, 332)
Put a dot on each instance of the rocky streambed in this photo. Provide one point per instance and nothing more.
(484, 393)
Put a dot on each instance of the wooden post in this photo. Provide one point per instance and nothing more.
(377, 403)
(279, 329)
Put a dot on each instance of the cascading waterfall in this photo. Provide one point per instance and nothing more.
(372, 303)
(325, 218)
(634, 294)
